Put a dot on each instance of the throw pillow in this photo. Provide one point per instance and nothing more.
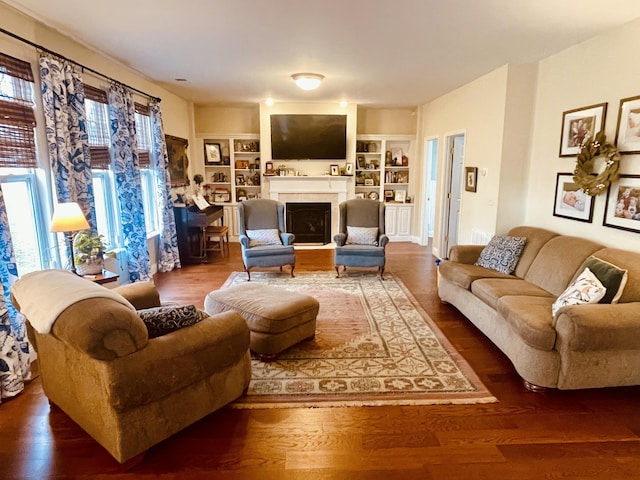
(362, 235)
(162, 320)
(502, 253)
(268, 236)
(584, 289)
(613, 278)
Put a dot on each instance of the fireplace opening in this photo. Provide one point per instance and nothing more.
(309, 222)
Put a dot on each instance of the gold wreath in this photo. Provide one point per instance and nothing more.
(583, 175)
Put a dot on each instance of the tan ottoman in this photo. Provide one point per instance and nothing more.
(277, 318)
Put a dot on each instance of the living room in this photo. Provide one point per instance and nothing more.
(511, 118)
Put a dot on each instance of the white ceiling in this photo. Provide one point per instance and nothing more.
(372, 52)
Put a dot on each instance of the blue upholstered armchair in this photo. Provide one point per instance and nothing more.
(361, 240)
(263, 241)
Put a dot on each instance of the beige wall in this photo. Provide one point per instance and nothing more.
(603, 69)
(226, 120)
(387, 121)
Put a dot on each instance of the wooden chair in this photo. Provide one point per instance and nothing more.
(217, 238)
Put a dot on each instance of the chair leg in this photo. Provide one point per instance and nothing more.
(337, 271)
(381, 270)
(248, 273)
(292, 267)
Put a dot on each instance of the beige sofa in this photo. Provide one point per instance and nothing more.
(126, 390)
(586, 346)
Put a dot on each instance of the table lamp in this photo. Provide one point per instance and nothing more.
(68, 218)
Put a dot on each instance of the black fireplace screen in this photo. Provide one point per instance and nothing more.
(309, 222)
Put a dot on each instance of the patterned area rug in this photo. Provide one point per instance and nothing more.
(374, 345)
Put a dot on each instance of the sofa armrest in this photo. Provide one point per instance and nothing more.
(102, 328)
(468, 254)
(599, 327)
(173, 361)
(140, 294)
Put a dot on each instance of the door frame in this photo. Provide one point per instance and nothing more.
(429, 193)
(447, 181)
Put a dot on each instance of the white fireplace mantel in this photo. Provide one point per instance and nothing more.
(326, 188)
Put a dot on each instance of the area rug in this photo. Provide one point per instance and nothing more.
(374, 345)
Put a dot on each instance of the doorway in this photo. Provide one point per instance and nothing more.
(429, 181)
(452, 201)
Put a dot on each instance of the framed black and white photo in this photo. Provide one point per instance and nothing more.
(622, 209)
(571, 201)
(579, 126)
(212, 154)
(628, 130)
(335, 169)
(471, 178)
(348, 169)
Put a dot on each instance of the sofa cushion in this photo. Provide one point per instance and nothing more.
(362, 235)
(168, 318)
(502, 253)
(612, 277)
(558, 261)
(490, 290)
(530, 317)
(629, 261)
(463, 274)
(266, 236)
(536, 239)
(584, 289)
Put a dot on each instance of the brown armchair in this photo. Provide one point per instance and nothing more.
(129, 392)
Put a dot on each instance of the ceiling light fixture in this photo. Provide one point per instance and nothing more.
(307, 81)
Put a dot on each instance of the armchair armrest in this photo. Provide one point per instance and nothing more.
(599, 327)
(244, 240)
(383, 240)
(468, 254)
(287, 238)
(340, 239)
(140, 294)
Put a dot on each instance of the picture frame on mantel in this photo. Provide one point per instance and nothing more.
(628, 129)
(579, 125)
(335, 170)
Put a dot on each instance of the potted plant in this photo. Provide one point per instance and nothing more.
(88, 252)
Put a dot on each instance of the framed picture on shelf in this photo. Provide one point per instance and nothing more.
(579, 125)
(348, 169)
(362, 163)
(388, 195)
(335, 169)
(368, 182)
(359, 195)
(570, 201)
(628, 130)
(622, 209)
(401, 196)
(240, 180)
(212, 154)
(471, 177)
(178, 161)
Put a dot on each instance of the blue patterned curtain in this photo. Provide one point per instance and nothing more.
(126, 167)
(14, 346)
(64, 111)
(168, 256)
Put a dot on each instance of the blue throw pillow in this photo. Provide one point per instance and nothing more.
(502, 253)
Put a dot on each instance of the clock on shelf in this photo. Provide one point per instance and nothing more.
(373, 195)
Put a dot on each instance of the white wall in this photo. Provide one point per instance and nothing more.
(602, 69)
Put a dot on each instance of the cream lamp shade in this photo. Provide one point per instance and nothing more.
(307, 81)
(67, 217)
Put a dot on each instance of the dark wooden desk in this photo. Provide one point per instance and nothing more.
(191, 224)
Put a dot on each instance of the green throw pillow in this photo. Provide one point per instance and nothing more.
(613, 278)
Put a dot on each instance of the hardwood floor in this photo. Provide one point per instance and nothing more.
(570, 434)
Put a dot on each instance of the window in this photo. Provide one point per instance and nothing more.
(143, 139)
(18, 163)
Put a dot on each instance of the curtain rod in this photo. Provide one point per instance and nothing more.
(84, 67)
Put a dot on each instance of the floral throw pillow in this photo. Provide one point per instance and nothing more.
(584, 289)
(362, 235)
(162, 320)
(612, 277)
(267, 236)
(502, 253)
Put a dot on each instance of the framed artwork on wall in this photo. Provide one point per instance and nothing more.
(178, 161)
(571, 202)
(212, 154)
(622, 209)
(471, 178)
(580, 125)
(628, 130)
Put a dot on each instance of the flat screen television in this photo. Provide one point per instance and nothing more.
(308, 137)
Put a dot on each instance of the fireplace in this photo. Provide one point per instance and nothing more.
(310, 222)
